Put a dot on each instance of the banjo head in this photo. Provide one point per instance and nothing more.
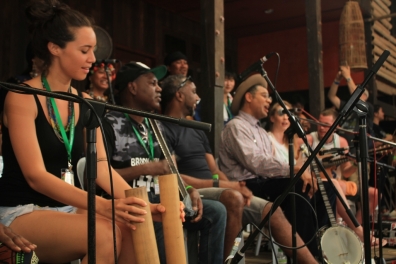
(341, 245)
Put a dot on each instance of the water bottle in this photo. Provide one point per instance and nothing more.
(280, 257)
(340, 222)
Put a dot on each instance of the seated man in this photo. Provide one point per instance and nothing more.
(246, 154)
(344, 170)
(137, 157)
(197, 165)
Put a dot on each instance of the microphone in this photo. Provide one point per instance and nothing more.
(112, 61)
(255, 66)
(333, 151)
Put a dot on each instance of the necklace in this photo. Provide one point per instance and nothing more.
(98, 97)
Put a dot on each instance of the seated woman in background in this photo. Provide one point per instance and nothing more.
(98, 82)
(279, 124)
(229, 84)
(44, 136)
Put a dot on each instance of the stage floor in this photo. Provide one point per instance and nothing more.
(265, 256)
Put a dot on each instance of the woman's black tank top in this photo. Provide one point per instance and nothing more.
(14, 189)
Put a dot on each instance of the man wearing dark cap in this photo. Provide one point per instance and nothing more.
(176, 63)
(136, 155)
(246, 154)
(197, 165)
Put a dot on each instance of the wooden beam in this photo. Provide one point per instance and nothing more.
(315, 58)
(212, 65)
(365, 6)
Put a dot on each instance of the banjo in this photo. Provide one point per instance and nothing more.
(185, 197)
(339, 244)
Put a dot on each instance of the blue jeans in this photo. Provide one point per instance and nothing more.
(212, 229)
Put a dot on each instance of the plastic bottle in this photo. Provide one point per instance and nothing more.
(340, 222)
(280, 257)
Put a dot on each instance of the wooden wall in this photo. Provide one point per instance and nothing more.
(291, 45)
(139, 31)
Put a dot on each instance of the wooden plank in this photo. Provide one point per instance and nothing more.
(384, 44)
(212, 74)
(378, 27)
(315, 59)
(386, 88)
(385, 21)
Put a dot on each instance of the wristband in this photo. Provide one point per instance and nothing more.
(336, 82)
(348, 79)
(188, 187)
(215, 180)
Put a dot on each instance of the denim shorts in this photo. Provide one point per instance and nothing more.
(8, 214)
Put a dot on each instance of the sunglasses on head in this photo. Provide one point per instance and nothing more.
(282, 111)
(183, 82)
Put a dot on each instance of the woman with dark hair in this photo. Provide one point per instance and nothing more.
(44, 136)
(98, 82)
(229, 84)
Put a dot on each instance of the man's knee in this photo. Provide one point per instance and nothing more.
(232, 200)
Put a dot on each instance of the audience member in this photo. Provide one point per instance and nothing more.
(36, 201)
(197, 165)
(98, 82)
(176, 63)
(229, 83)
(136, 155)
(351, 122)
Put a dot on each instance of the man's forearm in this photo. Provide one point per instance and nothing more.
(151, 168)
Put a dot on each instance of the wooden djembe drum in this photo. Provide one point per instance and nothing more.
(352, 39)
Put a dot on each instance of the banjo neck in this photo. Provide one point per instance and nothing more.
(326, 201)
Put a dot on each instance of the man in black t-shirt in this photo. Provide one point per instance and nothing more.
(197, 165)
(137, 157)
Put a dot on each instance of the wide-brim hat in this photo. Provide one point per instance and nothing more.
(132, 70)
(255, 79)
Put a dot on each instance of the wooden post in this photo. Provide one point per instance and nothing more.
(171, 222)
(212, 66)
(365, 6)
(315, 59)
(144, 243)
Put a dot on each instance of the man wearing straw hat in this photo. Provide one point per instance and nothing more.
(246, 154)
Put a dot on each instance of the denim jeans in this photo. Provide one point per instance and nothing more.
(211, 227)
(270, 189)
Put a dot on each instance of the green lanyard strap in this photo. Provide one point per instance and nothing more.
(67, 141)
(149, 135)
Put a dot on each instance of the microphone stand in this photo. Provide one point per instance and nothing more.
(111, 94)
(91, 117)
(345, 110)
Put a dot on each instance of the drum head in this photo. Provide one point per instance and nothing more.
(341, 245)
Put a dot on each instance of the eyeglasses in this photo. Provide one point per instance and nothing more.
(281, 111)
(267, 96)
(143, 132)
(183, 82)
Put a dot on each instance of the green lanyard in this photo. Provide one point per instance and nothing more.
(150, 138)
(67, 141)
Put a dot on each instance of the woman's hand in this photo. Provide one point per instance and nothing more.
(128, 210)
(14, 241)
(158, 209)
